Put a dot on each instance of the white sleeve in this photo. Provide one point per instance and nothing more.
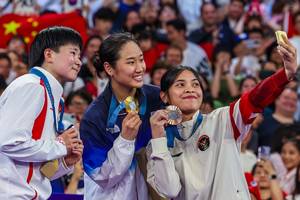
(161, 172)
(62, 169)
(117, 163)
(18, 112)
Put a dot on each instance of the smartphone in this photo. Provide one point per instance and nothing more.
(264, 153)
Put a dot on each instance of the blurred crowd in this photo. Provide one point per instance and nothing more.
(231, 43)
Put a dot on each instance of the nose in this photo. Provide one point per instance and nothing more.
(78, 61)
(140, 67)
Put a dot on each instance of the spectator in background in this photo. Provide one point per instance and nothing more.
(265, 175)
(166, 13)
(286, 162)
(152, 50)
(285, 108)
(190, 10)
(132, 18)
(81, 6)
(103, 21)
(227, 35)
(17, 43)
(295, 40)
(121, 8)
(193, 55)
(5, 67)
(246, 61)
(223, 87)
(149, 15)
(174, 54)
(18, 68)
(206, 36)
(158, 70)
(93, 84)
(77, 102)
(26, 7)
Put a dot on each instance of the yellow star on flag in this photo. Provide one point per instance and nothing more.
(11, 27)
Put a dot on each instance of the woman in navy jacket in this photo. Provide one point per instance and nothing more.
(111, 135)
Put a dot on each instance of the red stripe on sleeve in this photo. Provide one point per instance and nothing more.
(37, 129)
(236, 132)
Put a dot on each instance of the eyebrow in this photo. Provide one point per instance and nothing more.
(132, 58)
(182, 80)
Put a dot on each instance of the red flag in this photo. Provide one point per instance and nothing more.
(29, 26)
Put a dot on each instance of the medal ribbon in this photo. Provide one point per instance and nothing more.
(115, 109)
(59, 128)
(172, 131)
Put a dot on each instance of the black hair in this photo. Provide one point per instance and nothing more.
(178, 24)
(5, 57)
(246, 78)
(90, 38)
(142, 32)
(255, 30)
(52, 38)
(205, 3)
(81, 93)
(174, 46)
(160, 64)
(3, 84)
(105, 14)
(170, 76)
(241, 1)
(297, 183)
(110, 48)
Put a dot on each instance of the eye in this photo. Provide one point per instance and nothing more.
(73, 53)
(130, 62)
(196, 84)
(180, 84)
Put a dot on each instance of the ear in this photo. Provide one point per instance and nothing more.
(48, 55)
(108, 68)
(164, 97)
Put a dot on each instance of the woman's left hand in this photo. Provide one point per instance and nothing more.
(289, 55)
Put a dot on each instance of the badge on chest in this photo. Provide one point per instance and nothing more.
(203, 142)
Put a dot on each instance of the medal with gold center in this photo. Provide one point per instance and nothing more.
(130, 104)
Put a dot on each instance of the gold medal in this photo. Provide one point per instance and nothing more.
(130, 104)
(174, 115)
(49, 168)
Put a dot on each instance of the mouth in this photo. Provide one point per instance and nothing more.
(138, 78)
(76, 69)
(190, 97)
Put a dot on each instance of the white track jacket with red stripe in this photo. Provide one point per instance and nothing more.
(27, 137)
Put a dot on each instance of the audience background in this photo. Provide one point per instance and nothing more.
(231, 43)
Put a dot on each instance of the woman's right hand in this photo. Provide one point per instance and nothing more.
(131, 125)
(158, 121)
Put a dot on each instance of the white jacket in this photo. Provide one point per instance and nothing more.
(20, 105)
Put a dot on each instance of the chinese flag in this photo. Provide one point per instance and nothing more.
(29, 26)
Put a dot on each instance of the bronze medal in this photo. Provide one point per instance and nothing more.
(174, 115)
(203, 142)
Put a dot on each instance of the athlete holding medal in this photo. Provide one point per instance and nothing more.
(199, 159)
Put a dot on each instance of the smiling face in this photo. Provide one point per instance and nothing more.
(290, 155)
(130, 67)
(185, 93)
(63, 64)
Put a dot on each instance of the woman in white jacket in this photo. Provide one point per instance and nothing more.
(200, 158)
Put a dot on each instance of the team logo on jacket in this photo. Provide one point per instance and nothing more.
(113, 130)
(203, 142)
